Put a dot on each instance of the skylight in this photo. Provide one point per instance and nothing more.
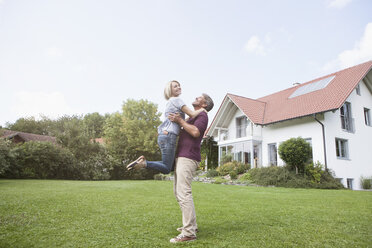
(317, 85)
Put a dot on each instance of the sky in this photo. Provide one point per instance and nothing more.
(83, 56)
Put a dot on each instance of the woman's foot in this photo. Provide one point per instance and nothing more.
(137, 164)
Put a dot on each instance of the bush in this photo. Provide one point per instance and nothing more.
(295, 152)
(241, 168)
(246, 177)
(159, 177)
(226, 168)
(314, 171)
(233, 175)
(236, 166)
(366, 183)
(41, 160)
(6, 156)
(220, 180)
(212, 173)
(282, 177)
(96, 167)
(226, 159)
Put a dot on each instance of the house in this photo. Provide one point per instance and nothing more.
(21, 137)
(332, 113)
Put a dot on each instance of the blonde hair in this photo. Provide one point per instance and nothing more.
(168, 89)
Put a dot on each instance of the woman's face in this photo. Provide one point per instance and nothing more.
(176, 89)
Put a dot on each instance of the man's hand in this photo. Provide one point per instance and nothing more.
(175, 117)
(191, 129)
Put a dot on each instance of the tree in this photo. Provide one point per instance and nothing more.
(115, 138)
(28, 125)
(295, 152)
(5, 155)
(133, 132)
(130, 134)
(76, 140)
(93, 124)
(140, 122)
(209, 150)
(43, 160)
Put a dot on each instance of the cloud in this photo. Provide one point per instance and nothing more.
(35, 104)
(338, 4)
(254, 45)
(53, 52)
(361, 52)
(268, 43)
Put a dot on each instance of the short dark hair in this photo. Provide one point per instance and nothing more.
(209, 102)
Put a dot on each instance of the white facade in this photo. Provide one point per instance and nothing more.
(358, 160)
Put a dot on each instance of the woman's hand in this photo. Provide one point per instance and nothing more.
(175, 117)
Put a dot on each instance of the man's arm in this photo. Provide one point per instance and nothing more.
(191, 129)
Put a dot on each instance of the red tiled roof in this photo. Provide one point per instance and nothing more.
(279, 107)
(27, 136)
(254, 109)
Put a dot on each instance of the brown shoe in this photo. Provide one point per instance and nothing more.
(137, 164)
(182, 238)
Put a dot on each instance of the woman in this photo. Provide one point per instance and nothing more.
(168, 131)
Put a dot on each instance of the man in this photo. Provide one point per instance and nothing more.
(187, 162)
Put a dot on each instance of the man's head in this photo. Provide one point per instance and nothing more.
(203, 101)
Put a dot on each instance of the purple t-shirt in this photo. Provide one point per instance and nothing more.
(188, 146)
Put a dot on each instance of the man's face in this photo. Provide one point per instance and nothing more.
(199, 102)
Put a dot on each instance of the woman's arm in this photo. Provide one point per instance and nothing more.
(191, 129)
(192, 113)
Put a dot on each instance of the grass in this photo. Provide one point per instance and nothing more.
(47, 213)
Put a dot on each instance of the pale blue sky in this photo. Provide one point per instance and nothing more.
(84, 56)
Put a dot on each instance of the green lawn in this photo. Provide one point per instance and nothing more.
(46, 213)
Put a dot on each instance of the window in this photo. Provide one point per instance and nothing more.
(308, 140)
(272, 154)
(342, 148)
(241, 126)
(224, 135)
(238, 152)
(357, 89)
(349, 182)
(367, 117)
(346, 120)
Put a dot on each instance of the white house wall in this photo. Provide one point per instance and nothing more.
(359, 162)
(305, 127)
(254, 130)
(359, 143)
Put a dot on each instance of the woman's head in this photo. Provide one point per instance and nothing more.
(173, 88)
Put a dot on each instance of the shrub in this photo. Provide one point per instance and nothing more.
(96, 167)
(282, 177)
(241, 168)
(295, 152)
(366, 183)
(226, 168)
(246, 177)
(212, 173)
(236, 166)
(220, 180)
(314, 171)
(158, 176)
(233, 175)
(226, 159)
(5, 155)
(41, 160)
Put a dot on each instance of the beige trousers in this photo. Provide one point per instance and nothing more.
(183, 173)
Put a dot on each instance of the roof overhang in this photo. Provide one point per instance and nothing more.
(223, 116)
(368, 81)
